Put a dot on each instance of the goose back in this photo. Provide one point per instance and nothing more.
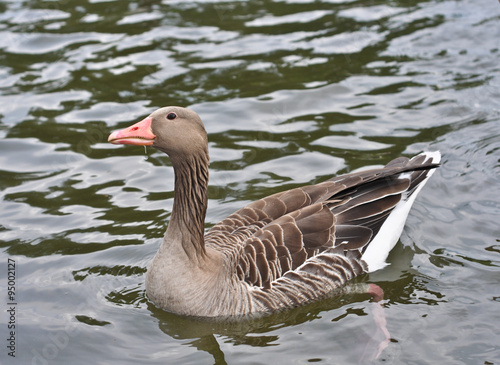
(298, 245)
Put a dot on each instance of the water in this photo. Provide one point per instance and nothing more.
(291, 92)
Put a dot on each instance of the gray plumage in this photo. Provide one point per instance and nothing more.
(281, 251)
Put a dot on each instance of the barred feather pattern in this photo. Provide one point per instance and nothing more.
(281, 251)
(296, 246)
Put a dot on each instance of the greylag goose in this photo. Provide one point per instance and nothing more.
(278, 252)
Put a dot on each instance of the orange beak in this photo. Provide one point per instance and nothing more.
(139, 134)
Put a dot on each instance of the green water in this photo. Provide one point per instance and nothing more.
(291, 92)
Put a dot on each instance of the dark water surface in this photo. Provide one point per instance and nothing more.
(291, 92)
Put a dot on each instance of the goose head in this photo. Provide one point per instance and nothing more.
(173, 130)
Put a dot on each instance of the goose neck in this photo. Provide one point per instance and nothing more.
(190, 203)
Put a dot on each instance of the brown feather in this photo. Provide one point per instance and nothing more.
(369, 209)
(317, 222)
(295, 199)
(351, 237)
(298, 258)
(274, 207)
(292, 237)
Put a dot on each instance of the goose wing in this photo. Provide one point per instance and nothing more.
(299, 230)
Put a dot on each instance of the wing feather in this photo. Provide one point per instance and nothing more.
(314, 235)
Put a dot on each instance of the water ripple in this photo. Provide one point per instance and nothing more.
(291, 92)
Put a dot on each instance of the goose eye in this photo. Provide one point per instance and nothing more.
(171, 116)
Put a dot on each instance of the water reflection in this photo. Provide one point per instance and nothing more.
(401, 287)
(207, 335)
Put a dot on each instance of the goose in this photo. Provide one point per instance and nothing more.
(279, 252)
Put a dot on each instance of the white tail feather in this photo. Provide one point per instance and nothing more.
(388, 235)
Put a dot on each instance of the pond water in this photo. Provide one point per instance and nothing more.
(291, 92)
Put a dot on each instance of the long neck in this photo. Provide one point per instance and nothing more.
(187, 221)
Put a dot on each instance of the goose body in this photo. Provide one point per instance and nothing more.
(281, 251)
